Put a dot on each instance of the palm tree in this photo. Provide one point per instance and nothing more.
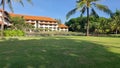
(85, 6)
(116, 21)
(9, 2)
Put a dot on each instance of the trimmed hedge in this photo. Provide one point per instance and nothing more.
(54, 33)
(13, 33)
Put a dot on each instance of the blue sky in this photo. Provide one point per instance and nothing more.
(56, 8)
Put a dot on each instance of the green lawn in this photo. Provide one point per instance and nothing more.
(60, 52)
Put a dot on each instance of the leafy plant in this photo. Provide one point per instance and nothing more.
(85, 6)
(10, 33)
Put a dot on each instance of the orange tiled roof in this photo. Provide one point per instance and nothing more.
(62, 26)
(27, 17)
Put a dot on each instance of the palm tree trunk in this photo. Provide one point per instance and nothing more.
(116, 31)
(87, 28)
(2, 25)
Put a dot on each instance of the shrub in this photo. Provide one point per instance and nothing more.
(13, 33)
(54, 33)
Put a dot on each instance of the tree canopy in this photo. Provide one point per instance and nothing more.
(85, 6)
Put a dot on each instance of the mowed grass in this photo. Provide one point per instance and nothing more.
(60, 52)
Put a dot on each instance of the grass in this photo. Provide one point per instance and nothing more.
(60, 52)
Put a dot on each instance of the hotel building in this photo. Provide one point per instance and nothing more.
(6, 22)
(38, 22)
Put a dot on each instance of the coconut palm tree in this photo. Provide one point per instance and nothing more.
(9, 2)
(116, 21)
(85, 6)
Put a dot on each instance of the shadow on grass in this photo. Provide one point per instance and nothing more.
(55, 53)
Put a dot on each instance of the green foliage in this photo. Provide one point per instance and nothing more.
(17, 20)
(99, 25)
(54, 33)
(13, 33)
(86, 5)
(116, 21)
(82, 5)
(9, 3)
(77, 24)
(19, 23)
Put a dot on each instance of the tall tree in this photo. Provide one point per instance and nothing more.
(85, 6)
(116, 21)
(9, 2)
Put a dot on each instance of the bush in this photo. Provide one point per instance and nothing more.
(13, 33)
(54, 33)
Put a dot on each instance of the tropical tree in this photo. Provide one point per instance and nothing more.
(19, 24)
(99, 25)
(9, 2)
(116, 21)
(85, 6)
(102, 26)
(76, 24)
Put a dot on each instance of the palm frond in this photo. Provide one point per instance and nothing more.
(117, 13)
(10, 5)
(30, 1)
(80, 4)
(78, 1)
(103, 8)
(19, 1)
(71, 13)
(1, 3)
(112, 15)
(93, 0)
(93, 13)
(83, 10)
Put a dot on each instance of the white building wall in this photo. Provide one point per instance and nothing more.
(51, 26)
(0, 18)
(64, 30)
(5, 21)
(0, 13)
